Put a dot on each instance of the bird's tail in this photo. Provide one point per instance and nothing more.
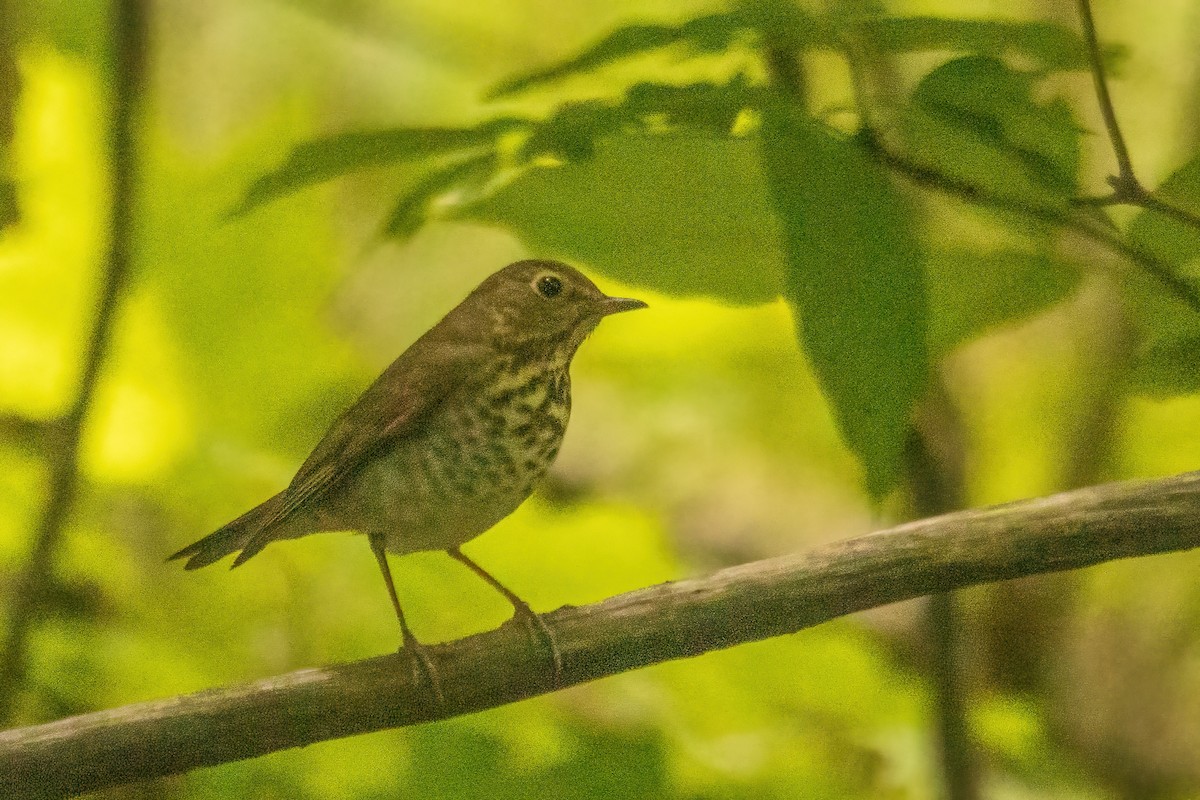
(237, 535)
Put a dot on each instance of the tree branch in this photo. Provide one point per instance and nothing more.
(674, 620)
(32, 584)
(10, 89)
(1127, 189)
(1099, 231)
(936, 466)
(1126, 177)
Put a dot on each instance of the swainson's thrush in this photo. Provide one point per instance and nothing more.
(449, 440)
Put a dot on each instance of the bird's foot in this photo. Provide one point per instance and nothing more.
(539, 628)
(422, 663)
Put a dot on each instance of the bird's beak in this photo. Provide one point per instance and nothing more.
(615, 305)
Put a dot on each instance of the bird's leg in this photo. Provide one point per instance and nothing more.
(536, 623)
(421, 659)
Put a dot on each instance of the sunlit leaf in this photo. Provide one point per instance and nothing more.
(322, 159)
(709, 32)
(1015, 727)
(1168, 364)
(705, 106)
(977, 120)
(782, 23)
(971, 293)
(854, 277)
(1051, 45)
(412, 209)
(683, 214)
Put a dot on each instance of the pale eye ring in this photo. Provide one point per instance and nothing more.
(548, 285)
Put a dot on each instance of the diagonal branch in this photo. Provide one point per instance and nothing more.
(674, 620)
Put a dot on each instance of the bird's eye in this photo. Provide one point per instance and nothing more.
(548, 285)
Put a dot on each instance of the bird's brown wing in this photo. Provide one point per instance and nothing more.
(413, 386)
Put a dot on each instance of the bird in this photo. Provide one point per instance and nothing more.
(447, 441)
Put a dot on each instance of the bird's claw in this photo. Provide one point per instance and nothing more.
(538, 627)
(421, 662)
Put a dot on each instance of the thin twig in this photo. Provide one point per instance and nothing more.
(676, 620)
(1097, 231)
(1154, 203)
(1127, 189)
(1110, 199)
(32, 585)
(1144, 199)
(1127, 178)
(1105, 234)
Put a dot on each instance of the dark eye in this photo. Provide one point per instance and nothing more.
(549, 285)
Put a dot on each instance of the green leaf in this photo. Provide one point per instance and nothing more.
(709, 107)
(1051, 45)
(1169, 367)
(780, 22)
(784, 24)
(570, 133)
(971, 293)
(682, 214)
(711, 32)
(1165, 237)
(854, 278)
(411, 211)
(1171, 330)
(976, 120)
(320, 160)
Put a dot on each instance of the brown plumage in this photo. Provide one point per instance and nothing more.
(449, 440)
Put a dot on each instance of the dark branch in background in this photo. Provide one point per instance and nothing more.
(1152, 203)
(935, 462)
(1127, 189)
(787, 73)
(24, 433)
(674, 620)
(34, 581)
(1124, 163)
(1096, 230)
(10, 80)
(935, 466)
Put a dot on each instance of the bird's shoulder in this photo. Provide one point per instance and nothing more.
(413, 386)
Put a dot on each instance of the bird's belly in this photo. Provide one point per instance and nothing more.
(454, 479)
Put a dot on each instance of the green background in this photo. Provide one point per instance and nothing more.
(700, 434)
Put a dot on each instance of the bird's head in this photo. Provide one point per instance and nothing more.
(538, 300)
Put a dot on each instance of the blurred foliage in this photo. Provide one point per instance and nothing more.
(569, 182)
(976, 119)
(855, 282)
(652, 144)
(639, 200)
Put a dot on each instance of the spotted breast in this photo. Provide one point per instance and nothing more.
(468, 467)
